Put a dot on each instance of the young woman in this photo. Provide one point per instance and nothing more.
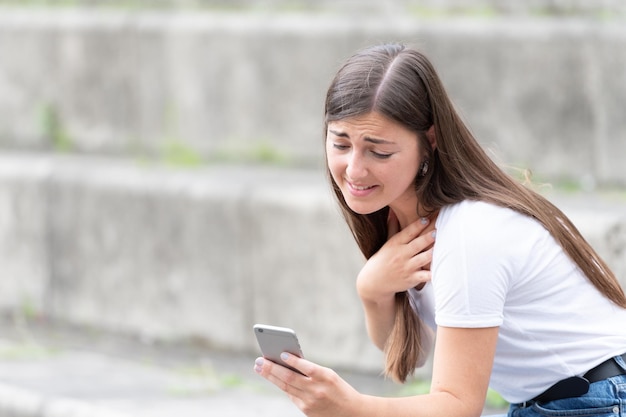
(516, 297)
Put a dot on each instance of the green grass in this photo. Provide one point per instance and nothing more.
(203, 379)
(177, 153)
(262, 152)
(25, 351)
(53, 129)
(480, 12)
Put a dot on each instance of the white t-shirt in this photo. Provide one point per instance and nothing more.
(495, 267)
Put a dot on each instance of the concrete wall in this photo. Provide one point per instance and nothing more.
(171, 254)
(590, 8)
(542, 93)
(200, 255)
(180, 255)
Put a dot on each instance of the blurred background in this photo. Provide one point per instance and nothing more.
(161, 164)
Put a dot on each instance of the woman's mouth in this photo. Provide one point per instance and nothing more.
(358, 190)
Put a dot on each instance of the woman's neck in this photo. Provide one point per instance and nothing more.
(405, 219)
(407, 215)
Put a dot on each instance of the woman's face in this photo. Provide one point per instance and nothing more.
(374, 161)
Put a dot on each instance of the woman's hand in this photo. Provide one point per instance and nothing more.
(320, 393)
(461, 369)
(402, 263)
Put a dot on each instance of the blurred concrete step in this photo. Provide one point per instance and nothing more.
(171, 254)
(35, 382)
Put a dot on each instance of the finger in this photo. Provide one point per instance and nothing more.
(421, 259)
(422, 243)
(308, 368)
(284, 378)
(414, 279)
(419, 278)
(429, 228)
(413, 230)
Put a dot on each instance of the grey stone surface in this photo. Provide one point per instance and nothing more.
(590, 8)
(542, 93)
(196, 256)
(23, 237)
(175, 254)
(48, 370)
(172, 254)
(75, 383)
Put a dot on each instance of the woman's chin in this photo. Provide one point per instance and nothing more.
(363, 210)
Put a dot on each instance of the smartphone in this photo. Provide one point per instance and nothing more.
(275, 340)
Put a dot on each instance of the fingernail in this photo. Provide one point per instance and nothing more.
(258, 369)
(258, 362)
(433, 233)
(284, 356)
(424, 220)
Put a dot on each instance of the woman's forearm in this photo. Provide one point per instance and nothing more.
(441, 404)
(379, 318)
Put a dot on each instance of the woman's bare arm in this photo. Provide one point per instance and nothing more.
(402, 263)
(462, 366)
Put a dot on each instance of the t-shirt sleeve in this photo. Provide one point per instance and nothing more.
(473, 263)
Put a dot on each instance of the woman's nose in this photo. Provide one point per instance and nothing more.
(356, 168)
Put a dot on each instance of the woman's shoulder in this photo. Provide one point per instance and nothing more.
(490, 237)
(485, 218)
(477, 210)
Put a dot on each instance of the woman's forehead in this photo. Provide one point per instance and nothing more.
(368, 123)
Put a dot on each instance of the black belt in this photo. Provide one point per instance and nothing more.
(576, 385)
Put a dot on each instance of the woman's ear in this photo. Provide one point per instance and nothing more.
(432, 138)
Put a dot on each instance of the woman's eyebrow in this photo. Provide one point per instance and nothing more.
(376, 141)
(340, 134)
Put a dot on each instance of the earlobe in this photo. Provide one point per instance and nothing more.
(432, 138)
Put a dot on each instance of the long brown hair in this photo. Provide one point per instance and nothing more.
(401, 84)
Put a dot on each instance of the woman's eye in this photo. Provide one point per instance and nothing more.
(381, 155)
(340, 147)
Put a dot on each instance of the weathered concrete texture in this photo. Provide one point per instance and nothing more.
(136, 380)
(23, 235)
(592, 8)
(603, 224)
(196, 255)
(201, 254)
(545, 94)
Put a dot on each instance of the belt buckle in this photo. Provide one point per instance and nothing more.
(526, 404)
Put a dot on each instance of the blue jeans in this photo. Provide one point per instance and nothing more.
(605, 398)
